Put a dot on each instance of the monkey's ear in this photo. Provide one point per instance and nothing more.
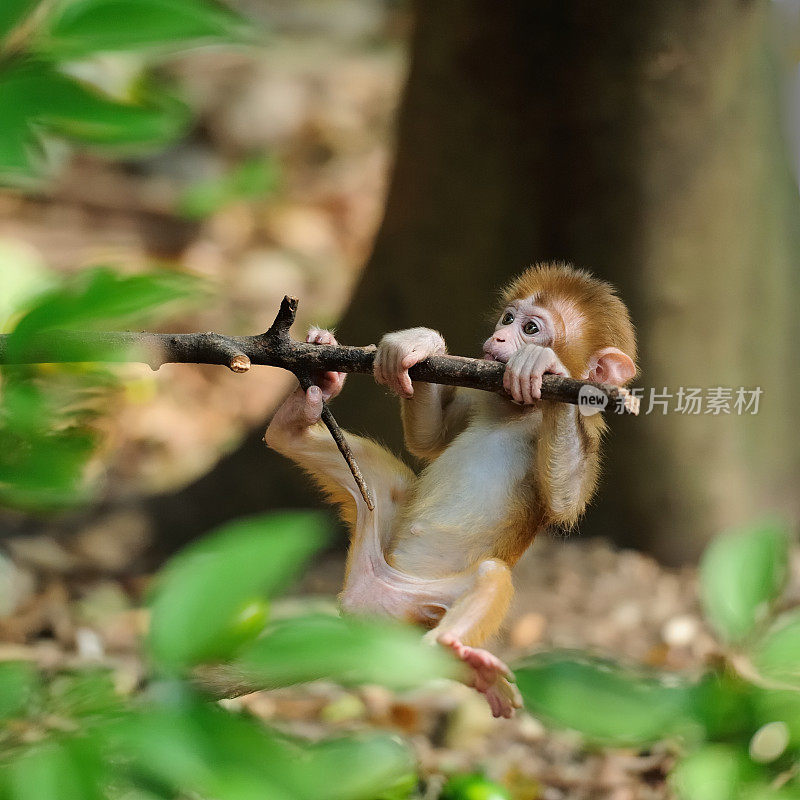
(611, 365)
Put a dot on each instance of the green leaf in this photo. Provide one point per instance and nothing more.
(18, 682)
(41, 454)
(157, 119)
(201, 591)
(766, 790)
(47, 474)
(57, 771)
(715, 772)
(12, 13)
(603, 700)
(189, 749)
(192, 747)
(92, 26)
(723, 704)
(741, 574)
(21, 158)
(772, 705)
(100, 297)
(776, 655)
(473, 787)
(347, 650)
(45, 438)
(355, 768)
(36, 98)
(97, 299)
(84, 694)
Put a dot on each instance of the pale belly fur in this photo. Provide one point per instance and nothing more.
(374, 587)
(458, 500)
(461, 498)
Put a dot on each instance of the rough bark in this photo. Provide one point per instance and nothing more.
(239, 353)
(641, 140)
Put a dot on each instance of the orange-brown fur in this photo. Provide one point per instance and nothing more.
(438, 549)
(591, 305)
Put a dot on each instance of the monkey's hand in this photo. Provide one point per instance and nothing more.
(302, 409)
(331, 383)
(399, 351)
(524, 370)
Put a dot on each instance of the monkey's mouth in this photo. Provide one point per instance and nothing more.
(487, 356)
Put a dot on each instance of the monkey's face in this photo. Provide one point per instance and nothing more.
(522, 322)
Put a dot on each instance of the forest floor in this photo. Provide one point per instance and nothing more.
(571, 593)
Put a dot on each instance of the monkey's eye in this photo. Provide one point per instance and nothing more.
(507, 318)
(530, 328)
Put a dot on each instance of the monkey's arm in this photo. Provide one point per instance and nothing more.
(433, 415)
(568, 444)
(567, 461)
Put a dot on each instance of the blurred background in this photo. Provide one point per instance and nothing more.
(392, 164)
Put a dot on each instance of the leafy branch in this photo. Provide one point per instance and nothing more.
(47, 413)
(75, 736)
(46, 44)
(736, 727)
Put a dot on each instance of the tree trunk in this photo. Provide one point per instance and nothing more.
(641, 140)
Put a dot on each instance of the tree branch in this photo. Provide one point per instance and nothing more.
(276, 348)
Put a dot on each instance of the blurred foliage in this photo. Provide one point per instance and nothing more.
(47, 411)
(472, 787)
(75, 736)
(753, 561)
(203, 588)
(100, 299)
(738, 725)
(253, 179)
(46, 45)
(602, 699)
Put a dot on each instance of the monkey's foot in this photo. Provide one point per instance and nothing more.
(490, 676)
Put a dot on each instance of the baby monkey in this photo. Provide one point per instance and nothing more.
(439, 547)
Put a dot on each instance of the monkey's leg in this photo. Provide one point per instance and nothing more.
(477, 614)
(474, 617)
(295, 432)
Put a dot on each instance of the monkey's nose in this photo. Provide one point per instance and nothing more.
(499, 340)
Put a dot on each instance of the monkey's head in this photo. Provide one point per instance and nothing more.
(577, 315)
